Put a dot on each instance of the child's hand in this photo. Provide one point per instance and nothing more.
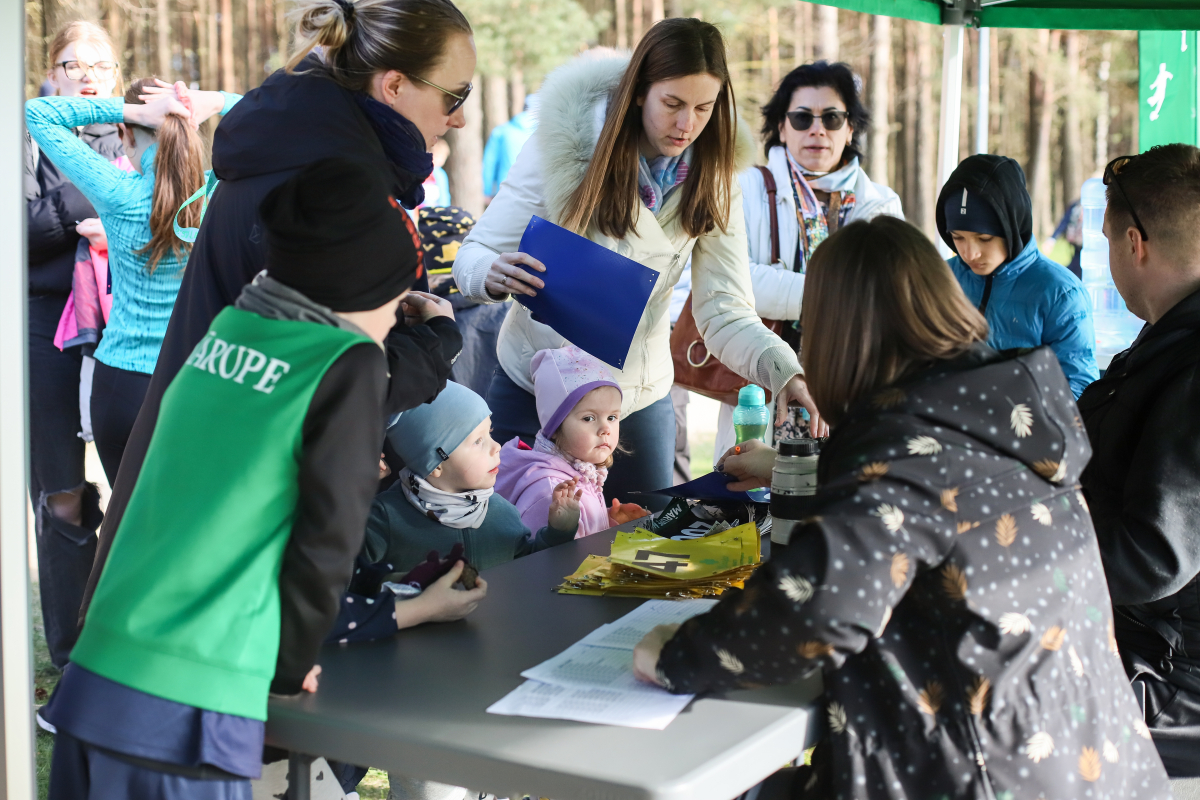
(310, 680)
(620, 513)
(441, 602)
(564, 506)
(384, 469)
(92, 229)
(419, 307)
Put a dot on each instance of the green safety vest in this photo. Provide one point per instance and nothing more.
(187, 607)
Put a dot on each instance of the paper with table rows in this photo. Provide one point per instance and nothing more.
(592, 680)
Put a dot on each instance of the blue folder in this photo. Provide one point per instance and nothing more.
(594, 298)
(712, 487)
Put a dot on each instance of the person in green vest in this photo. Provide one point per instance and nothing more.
(240, 535)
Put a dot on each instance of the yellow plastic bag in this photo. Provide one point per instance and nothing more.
(687, 559)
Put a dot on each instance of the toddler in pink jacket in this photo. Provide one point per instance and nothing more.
(579, 407)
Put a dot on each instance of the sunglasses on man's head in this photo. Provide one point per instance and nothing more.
(830, 120)
(1110, 178)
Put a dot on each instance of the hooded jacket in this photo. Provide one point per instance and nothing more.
(949, 588)
(53, 206)
(549, 168)
(1029, 301)
(527, 479)
(1141, 485)
(278, 128)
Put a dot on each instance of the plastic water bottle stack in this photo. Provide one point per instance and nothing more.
(1116, 327)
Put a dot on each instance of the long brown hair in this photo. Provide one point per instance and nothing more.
(879, 304)
(84, 31)
(178, 172)
(408, 36)
(608, 193)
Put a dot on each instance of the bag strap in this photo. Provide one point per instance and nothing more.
(769, 181)
(189, 234)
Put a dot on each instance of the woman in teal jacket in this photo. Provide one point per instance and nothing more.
(985, 214)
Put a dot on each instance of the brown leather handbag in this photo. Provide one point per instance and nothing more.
(698, 370)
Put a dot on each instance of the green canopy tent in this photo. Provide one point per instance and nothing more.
(956, 15)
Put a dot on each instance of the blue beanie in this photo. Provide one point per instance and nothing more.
(426, 435)
(970, 212)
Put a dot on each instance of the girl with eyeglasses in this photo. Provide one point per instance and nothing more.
(812, 127)
(67, 510)
(639, 155)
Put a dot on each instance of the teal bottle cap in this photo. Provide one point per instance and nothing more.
(751, 396)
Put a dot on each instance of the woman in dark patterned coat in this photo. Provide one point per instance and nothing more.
(950, 587)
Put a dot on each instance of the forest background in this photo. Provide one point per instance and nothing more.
(1062, 102)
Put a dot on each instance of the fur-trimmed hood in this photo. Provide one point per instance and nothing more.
(574, 102)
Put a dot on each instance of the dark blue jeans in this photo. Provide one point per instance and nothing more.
(648, 434)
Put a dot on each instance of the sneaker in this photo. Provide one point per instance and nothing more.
(43, 724)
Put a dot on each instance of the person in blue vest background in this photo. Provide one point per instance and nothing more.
(984, 214)
(504, 144)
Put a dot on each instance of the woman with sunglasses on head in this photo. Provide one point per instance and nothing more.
(812, 127)
(985, 214)
(639, 155)
(378, 80)
(82, 65)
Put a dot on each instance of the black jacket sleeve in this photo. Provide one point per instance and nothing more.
(1150, 548)
(419, 361)
(338, 473)
(51, 211)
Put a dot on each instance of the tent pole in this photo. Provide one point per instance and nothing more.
(985, 83)
(951, 111)
(16, 652)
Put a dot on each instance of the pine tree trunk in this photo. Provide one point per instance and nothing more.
(162, 24)
(802, 26)
(228, 81)
(638, 20)
(622, 24)
(1042, 113)
(465, 165)
(926, 172)
(656, 11)
(1072, 155)
(254, 61)
(213, 61)
(773, 45)
(880, 84)
(281, 32)
(827, 33)
(912, 204)
(495, 102)
(1102, 111)
(516, 90)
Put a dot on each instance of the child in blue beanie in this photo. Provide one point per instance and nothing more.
(444, 495)
(985, 214)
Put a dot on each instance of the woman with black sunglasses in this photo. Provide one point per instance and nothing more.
(811, 127)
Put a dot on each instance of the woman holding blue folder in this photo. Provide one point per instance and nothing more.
(639, 156)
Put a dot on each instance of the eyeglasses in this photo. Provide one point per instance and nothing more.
(1110, 177)
(459, 99)
(831, 120)
(75, 70)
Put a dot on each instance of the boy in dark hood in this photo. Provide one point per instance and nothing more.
(985, 215)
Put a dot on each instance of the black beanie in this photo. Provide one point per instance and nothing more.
(997, 182)
(336, 235)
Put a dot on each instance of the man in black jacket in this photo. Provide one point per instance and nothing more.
(1143, 419)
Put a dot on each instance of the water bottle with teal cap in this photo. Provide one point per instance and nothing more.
(751, 417)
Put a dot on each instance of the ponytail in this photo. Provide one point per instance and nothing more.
(178, 173)
(360, 38)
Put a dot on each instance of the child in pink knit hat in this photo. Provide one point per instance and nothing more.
(579, 407)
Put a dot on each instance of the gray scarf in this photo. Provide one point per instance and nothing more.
(269, 298)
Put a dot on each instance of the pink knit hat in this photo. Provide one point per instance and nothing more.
(561, 378)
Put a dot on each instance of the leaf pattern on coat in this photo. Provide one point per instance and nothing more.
(1076, 661)
(887, 617)
(798, 589)
(729, 662)
(964, 526)
(1006, 530)
(1041, 513)
(979, 695)
(954, 582)
(924, 446)
(929, 699)
(1014, 624)
(873, 471)
(1082, 501)
(950, 500)
(891, 517)
(1021, 420)
(837, 718)
(1039, 746)
(889, 398)
(899, 569)
(1053, 471)
(1052, 639)
(813, 650)
(1089, 765)
(1141, 728)
(1110, 752)
(1112, 639)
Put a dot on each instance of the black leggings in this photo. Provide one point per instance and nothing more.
(117, 396)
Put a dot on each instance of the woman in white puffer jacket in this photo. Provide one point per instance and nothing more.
(811, 128)
(641, 157)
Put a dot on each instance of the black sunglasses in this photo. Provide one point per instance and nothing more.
(831, 120)
(459, 99)
(1110, 178)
